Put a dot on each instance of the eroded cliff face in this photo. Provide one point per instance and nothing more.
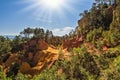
(35, 56)
(75, 42)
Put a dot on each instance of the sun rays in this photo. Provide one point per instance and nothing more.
(47, 10)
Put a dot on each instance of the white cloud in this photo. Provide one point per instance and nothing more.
(62, 31)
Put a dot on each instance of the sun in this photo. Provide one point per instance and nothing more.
(47, 10)
(52, 4)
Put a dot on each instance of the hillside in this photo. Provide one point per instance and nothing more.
(90, 52)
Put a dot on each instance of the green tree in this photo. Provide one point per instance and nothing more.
(5, 46)
(48, 36)
(39, 33)
(27, 32)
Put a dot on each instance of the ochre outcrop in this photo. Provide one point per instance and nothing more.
(36, 56)
(69, 44)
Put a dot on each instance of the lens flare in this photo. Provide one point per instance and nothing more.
(48, 10)
(52, 4)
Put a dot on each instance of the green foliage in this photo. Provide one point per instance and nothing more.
(27, 32)
(94, 35)
(5, 46)
(20, 76)
(48, 75)
(104, 62)
(3, 75)
(117, 64)
(113, 72)
(81, 67)
(39, 33)
(111, 38)
(16, 41)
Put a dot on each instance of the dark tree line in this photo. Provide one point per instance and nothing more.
(45, 35)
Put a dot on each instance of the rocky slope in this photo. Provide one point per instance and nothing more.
(35, 56)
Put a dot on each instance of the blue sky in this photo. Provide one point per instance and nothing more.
(15, 15)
